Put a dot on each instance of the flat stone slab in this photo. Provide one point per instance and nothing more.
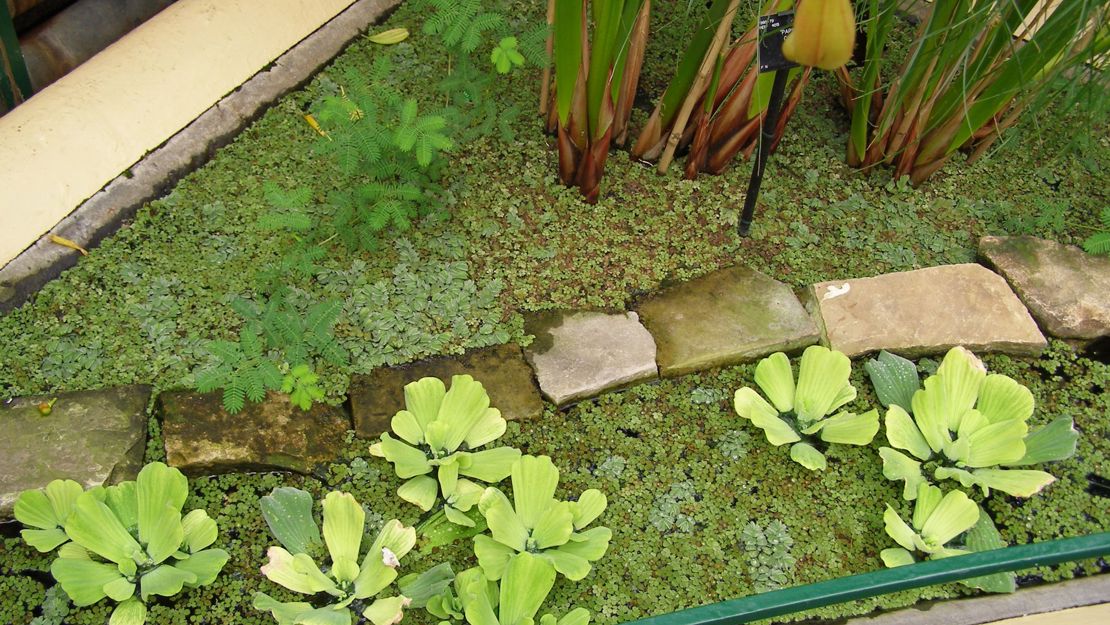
(582, 354)
(727, 317)
(1066, 289)
(377, 396)
(91, 437)
(204, 439)
(926, 311)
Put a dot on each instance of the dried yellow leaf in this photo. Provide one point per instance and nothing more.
(67, 243)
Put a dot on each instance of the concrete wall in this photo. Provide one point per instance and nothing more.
(72, 138)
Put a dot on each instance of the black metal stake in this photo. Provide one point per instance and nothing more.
(766, 138)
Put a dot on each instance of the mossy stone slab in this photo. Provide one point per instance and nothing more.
(377, 396)
(925, 311)
(1066, 289)
(204, 439)
(91, 437)
(581, 354)
(728, 317)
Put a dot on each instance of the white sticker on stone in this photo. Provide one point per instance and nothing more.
(832, 291)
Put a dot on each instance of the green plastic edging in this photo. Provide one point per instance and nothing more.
(864, 585)
(13, 55)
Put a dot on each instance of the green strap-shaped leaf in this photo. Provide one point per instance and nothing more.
(960, 377)
(288, 513)
(928, 498)
(200, 530)
(1016, 482)
(902, 432)
(160, 492)
(506, 526)
(421, 491)
(996, 444)
(1055, 441)
(490, 465)
(423, 399)
(848, 428)
(386, 611)
(379, 568)
(407, 461)
(165, 581)
(492, 556)
(589, 545)
(534, 480)
(1001, 399)
(897, 529)
(895, 378)
(205, 565)
(489, 428)
(554, 527)
(405, 425)
(344, 525)
(591, 503)
(93, 526)
(283, 613)
(123, 500)
(84, 580)
(929, 413)
(749, 405)
(463, 408)
(525, 585)
(775, 377)
(421, 588)
(807, 456)
(896, 556)
(567, 49)
(475, 598)
(448, 475)
(130, 612)
(984, 536)
(898, 466)
(822, 376)
(954, 515)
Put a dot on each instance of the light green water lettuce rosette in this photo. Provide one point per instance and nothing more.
(437, 430)
(288, 512)
(975, 427)
(937, 519)
(798, 414)
(127, 542)
(537, 523)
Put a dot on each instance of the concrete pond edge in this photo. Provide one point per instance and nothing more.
(155, 175)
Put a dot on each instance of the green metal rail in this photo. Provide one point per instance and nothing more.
(798, 598)
(12, 66)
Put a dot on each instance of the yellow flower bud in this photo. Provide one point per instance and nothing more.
(824, 34)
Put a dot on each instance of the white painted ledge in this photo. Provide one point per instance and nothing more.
(72, 138)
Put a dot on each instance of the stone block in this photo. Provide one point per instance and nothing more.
(581, 354)
(91, 437)
(728, 317)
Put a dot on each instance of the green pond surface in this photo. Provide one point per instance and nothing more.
(693, 490)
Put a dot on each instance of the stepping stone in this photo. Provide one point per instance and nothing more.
(1066, 289)
(376, 397)
(927, 311)
(203, 439)
(91, 437)
(728, 317)
(582, 354)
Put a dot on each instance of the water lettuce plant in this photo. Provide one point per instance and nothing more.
(437, 430)
(974, 428)
(798, 414)
(937, 519)
(116, 540)
(526, 582)
(537, 523)
(288, 512)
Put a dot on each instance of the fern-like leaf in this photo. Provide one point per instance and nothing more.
(1098, 243)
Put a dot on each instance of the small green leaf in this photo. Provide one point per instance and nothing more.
(807, 456)
(288, 513)
(130, 612)
(1055, 441)
(895, 379)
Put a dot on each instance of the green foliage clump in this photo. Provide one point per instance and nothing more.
(734, 444)
(671, 509)
(1099, 242)
(612, 468)
(428, 307)
(770, 562)
(55, 608)
(242, 369)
